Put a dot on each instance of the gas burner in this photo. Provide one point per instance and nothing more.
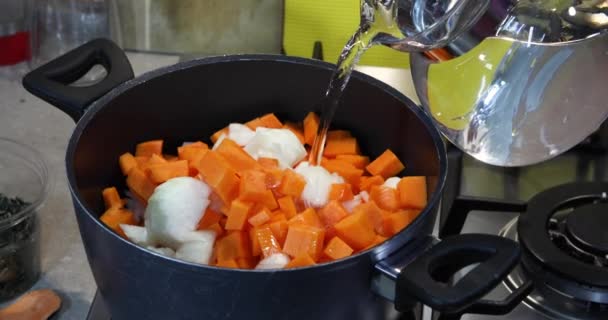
(563, 237)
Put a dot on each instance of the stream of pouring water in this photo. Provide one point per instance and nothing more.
(377, 18)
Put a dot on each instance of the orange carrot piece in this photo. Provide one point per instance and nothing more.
(139, 184)
(111, 198)
(219, 175)
(278, 215)
(267, 121)
(192, 152)
(160, 173)
(357, 161)
(232, 246)
(209, 218)
(279, 230)
(236, 156)
(395, 222)
(127, 162)
(288, 206)
(357, 230)
(296, 129)
(367, 183)
(114, 217)
(338, 134)
(308, 217)
(268, 200)
(259, 218)
(148, 148)
(304, 239)
(267, 241)
(311, 125)
(351, 174)
(386, 165)
(385, 197)
(252, 185)
(337, 249)
(303, 260)
(141, 161)
(341, 192)
(412, 192)
(292, 184)
(227, 264)
(373, 212)
(332, 213)
(334, 147)
(216, 136)
(255, 244)
(238, 215)
(268, 163)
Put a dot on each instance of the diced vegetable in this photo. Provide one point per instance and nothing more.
(253, 202)
(303, 239)
(111, 198)
(148, 148)
(357, 230)
(127, 162)
(386, 165)
(311, 126)
(337, 249)
(412, 192)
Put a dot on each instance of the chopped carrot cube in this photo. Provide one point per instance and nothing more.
(139, 184)
(366, 183)
(393, 223)
(279, 230)
(412, 192)
(332, 213)
(347, 171)
(268, 163)
(114, 217)
(148, 148)
(267, 121)
(292, 184)
(308, 217)
(252, 186)
(162, 172)
(386, 165)
(338, 134)
(127, 162)
(219, 175)
(267, 241)
(111, 198)
(335, 147)
(385, 197)
(259, 218)
(311, 125)
(337, 249)
(238, 215)
(296, 129)
(357, 230)
(357, 161)
(209, 217)
(233, 246)
(236, 156)
(304, 239)
(288, 206)
(341, 192)
(227, 264)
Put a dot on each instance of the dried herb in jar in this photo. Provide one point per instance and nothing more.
(19, 248)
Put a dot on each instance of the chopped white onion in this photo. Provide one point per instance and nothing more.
(274, 261)
(318, 184)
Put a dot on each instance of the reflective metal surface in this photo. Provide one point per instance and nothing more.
(544, 299)
(512, 91)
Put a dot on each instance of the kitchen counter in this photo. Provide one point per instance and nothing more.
(32, 121)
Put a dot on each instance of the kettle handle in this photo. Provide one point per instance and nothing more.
(51, 82)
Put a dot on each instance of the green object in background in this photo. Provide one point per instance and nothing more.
(332, 22)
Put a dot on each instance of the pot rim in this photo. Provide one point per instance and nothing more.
(379, 251)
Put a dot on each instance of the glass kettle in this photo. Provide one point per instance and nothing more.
(522, 84)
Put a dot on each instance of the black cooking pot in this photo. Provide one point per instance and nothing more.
(189, 101)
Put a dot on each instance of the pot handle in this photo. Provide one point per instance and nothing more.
(51, 82)
(425, 278)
